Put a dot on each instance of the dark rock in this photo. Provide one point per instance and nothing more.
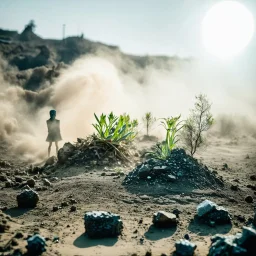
(3, 178)
(253, 177)
(185, 248)
(248, 199)
(9, 184)
(18, 179)
(186, 236)
(254, 219)
(177, 212)
(31, 183)
(73, 201)
(234, 187)
(19, 235)
(36, 245)
(63, 204)
(65, 152)
(55, 208)
(73, 208)
(164, 219)
(27, 199)
(219, 216)
(100, 224)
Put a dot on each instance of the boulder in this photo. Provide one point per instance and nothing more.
(164, 219)
(27, 199)
(36, 245)
(47, 182)
(205, 207)
(99, 224)
(51, 160)
(233, 245)
(65, 152)
(185, 248)
(219, 216)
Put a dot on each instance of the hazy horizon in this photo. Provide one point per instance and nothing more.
(166, 27)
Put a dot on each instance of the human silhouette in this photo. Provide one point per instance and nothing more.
(54, 135)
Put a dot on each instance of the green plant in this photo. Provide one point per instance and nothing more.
(149, 121)
(199, 121)
(115, 129)
(172, 126)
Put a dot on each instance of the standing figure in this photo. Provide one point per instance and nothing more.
(53, 132)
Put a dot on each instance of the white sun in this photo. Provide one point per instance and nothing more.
(227, 29)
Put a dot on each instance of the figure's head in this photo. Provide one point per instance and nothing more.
(53, 113)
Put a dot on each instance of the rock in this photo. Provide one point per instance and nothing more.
(164, 219)
(219, 216)
(73, 208)
(19, 235)
(234, 187)
(99, 224)
(55, 208)
(177, 212)
(3, 178)
(187, 237)
(65, 152)
(36, 245)
(51, 160)
(205, 207)
(144, 171)
(253, 177)
(239, 244)
(248, 240)
(47, 182)
(73, 201)
(185, 248)
(248, 199)
(63, 204)
(225, 245)
(27, 199)
(18, 179)
(31, 183)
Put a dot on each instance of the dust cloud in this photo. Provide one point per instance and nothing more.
(104, 83)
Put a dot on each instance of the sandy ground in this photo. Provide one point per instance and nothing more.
(95, 192)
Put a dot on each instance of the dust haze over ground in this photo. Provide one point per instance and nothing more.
(99, 83)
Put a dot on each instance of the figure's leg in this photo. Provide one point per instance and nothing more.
(57, 148)
(49, 149)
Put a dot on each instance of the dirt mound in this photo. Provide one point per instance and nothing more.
(178, 171)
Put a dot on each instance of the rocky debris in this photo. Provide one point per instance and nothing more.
(47, 182)
(233, 245)
(212, 214)
(5, 164)
(31, 183)
(99, 224)
(164, 219)
(36, 245)
(51, 160)
(185, 248)
(178, 167)
(65, 152)
(248, 199)
(27, 199)
(254, 219)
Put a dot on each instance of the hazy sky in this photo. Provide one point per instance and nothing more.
(166, 27)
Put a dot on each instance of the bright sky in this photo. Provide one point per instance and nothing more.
(162, 27)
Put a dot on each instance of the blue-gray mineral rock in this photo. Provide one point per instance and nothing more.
(36, 245)
(185, 248)
(99, 224)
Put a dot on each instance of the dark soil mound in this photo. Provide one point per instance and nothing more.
(179, 172)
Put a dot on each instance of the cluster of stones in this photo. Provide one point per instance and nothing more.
(177, 167)
(237, 245)
(213, 214)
